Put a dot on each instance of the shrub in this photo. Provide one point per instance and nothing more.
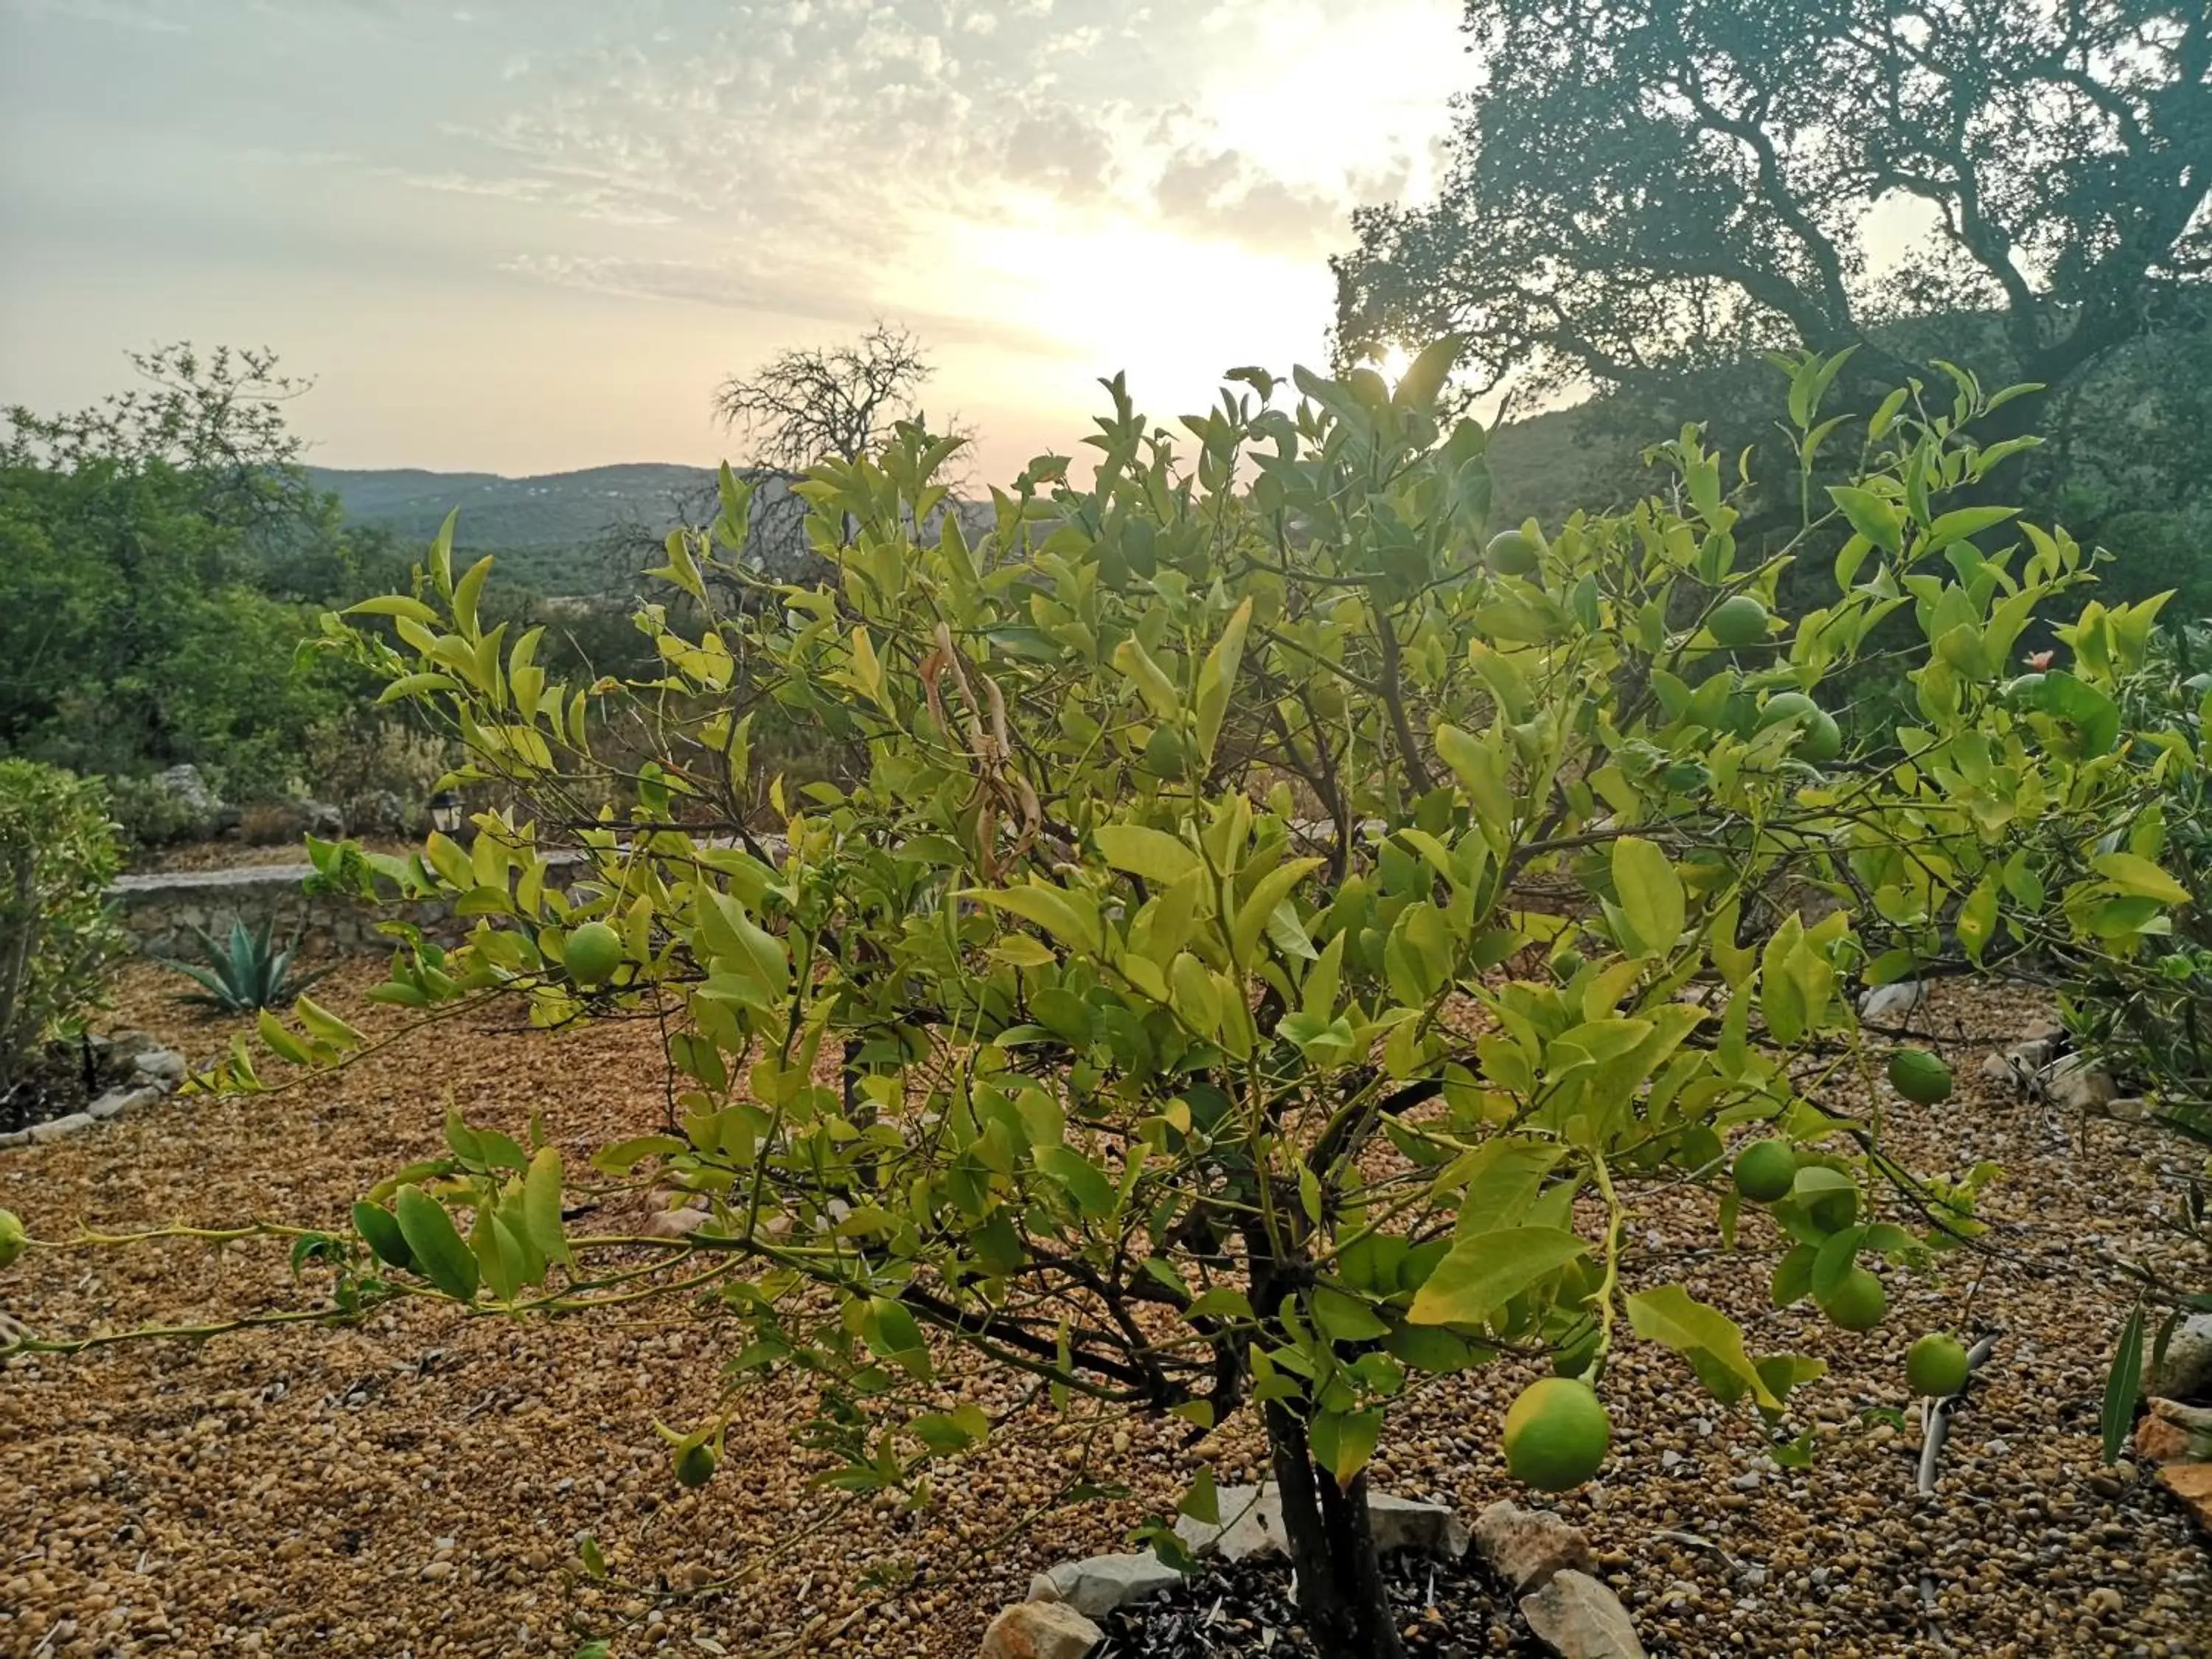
(149, 815)
(1261, 960)
(58, 939)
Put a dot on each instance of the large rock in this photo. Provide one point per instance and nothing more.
(2192, 1484)
(321, 819)
(1252, 1524)
(1528, 1547)
(1403, 1524)
(1579, 1618)
(2076, 1083)
(186, 787)
(2185, 1373)
(2171, 1432)
(1097, 1586)
(1040, 1630)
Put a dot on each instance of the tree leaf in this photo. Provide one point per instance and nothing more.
(1651, 896)
(1153, 854)
(440, 1255)
(1670, 1315)
(1482, 1271)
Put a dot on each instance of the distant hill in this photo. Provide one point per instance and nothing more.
(556, 527)
(553, 511)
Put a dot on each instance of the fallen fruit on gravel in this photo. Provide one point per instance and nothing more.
(1936, 1365)
(1858, 1302)
(1919, 1076)
(695, 1465)
(1510, 554)
(1740, 620)
(14, 1241)
(1765, 1170)
(1557, 1434)
(591, 954)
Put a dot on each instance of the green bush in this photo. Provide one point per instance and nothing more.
(146, 815)
(58, 939)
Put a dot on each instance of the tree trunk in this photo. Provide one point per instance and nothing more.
(1340, 1594)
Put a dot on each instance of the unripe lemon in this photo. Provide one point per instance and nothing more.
(1738, 620)
(1820, 739)
(1557, 1434)
(695, 1465)
(1936, 1365)
(1765, 1170)
(1858, 1302)
(1510, 554)
(1919, 1076)
(14, 1241)
(591, 954)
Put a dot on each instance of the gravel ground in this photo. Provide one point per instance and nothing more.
(416, 1487)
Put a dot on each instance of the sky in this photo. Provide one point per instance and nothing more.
(527, 235)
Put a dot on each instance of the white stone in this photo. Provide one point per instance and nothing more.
(1095, 1586)
(1885, 1002)
(1039, 1630)
(61, 1128)
(1579, 1618)
(165, 1066)
(116, 1101)
(1252, 1524)
(2185, 1373)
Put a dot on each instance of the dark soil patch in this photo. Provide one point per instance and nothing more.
(1445, 1610)
(64, 1079)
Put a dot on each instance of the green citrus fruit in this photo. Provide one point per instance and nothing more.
(13, 1239)
(1765, 1170)
(1936, 1365)
(1738, 620)
(1919, 1076)
(1567, 964)
(1510, 554)
(593, 953)
(695, 1465)
(1858, 1302)
(2022, 692)
(1557, 1434)
(1820, 739)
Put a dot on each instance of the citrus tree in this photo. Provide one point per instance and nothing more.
(1272, 937)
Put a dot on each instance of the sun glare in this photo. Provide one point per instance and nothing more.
(1393, 363)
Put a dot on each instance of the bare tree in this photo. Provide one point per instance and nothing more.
(805, 406)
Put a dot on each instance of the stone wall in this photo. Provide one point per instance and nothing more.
(159, 910)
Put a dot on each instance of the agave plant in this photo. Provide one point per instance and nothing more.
(245, 972)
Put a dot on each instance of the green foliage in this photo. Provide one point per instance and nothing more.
(244, 971)
(58, 939)
(155, 555)
(1633, 193)
(1257, 958)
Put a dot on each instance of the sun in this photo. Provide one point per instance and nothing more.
(1393, 363)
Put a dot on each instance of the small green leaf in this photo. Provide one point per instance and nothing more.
(2122, 1384)
(440, 1255)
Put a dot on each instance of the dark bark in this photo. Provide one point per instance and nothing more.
(1340, 1574)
